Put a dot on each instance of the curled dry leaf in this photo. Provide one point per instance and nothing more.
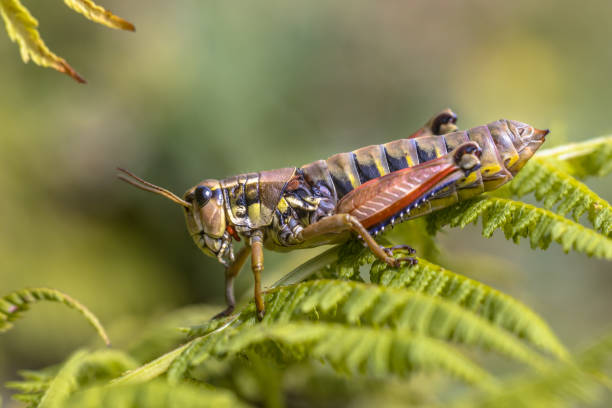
(22, 29)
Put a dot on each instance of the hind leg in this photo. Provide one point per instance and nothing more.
(339, 223)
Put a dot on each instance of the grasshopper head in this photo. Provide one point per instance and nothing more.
(204, 214)
(526, 140)
(205, 218)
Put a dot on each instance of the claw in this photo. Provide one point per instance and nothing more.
(228, 311)
(406, 248)
(411, 261)
(396, 262)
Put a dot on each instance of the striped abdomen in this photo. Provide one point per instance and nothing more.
(344, 172)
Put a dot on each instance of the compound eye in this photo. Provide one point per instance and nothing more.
(202, 195)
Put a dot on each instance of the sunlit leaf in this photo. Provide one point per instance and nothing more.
(22, 29)
(98, 14)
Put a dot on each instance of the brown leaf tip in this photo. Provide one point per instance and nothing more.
(68, 70)
(118, 22)
(126, 25)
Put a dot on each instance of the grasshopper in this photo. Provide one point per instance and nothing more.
(356, 193)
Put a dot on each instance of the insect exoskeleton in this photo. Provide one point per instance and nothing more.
(358, 193)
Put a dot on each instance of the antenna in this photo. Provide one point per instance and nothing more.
(146, 186)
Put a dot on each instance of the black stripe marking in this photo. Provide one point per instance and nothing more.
(395, 163)
(342, 186)
(369, 172)
(362, 177)
(448, 148)
(424, 155)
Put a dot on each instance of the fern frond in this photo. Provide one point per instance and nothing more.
(590, 158)
(13, 304)
(377, 352)
(34, 384)
(518, 220)
(359, 303)
(354, 303)
(553, 187)
(493, 305)
(160, 365)
(152, 369)
(148, 339)
(29, 387)
(559, 385)
(156, 394)
(81, 369)
(351, 258)
(29, 392)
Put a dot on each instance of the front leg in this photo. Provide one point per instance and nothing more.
(230, 274)
(336, 224)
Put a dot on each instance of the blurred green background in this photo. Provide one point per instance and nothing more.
(207, 89)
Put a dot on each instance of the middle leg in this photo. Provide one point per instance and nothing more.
(257, 265)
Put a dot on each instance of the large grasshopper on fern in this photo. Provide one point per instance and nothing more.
(360, 192)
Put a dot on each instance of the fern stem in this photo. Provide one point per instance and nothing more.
(160, 365)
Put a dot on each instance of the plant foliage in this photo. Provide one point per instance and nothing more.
(549, 176)
(15, 303)
(493, 305)
(517, 219)
(51, 390)
(156, 394)
(367, 323)
(22, 28)
(560, 384)
(583, 159)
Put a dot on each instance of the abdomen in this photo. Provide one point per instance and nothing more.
(344, 172)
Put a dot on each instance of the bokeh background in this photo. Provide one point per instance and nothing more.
(207, 89)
